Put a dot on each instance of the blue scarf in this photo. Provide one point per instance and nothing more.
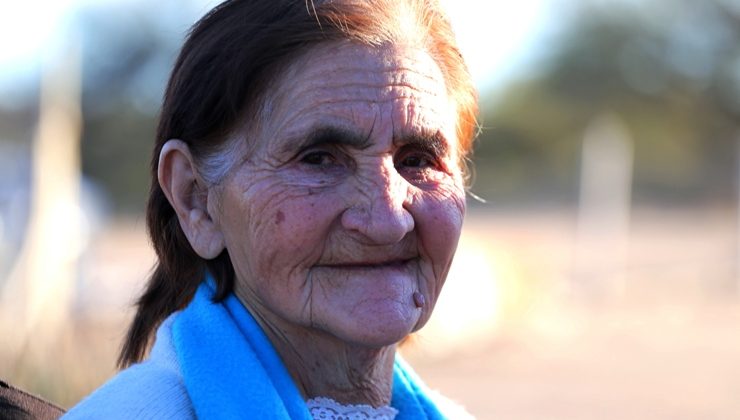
(232, 371)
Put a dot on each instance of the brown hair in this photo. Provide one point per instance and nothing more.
(229, 58)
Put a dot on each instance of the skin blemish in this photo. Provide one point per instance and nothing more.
(279, 217)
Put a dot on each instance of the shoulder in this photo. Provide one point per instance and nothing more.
(153, 389)
(141, 391)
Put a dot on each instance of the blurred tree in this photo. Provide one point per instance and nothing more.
(129, 53)
(670, 71)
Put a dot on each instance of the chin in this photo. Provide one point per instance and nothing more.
(378, 331)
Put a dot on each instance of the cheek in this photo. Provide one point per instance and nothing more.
(440, 211)
(439, 219)
(291, 232)
(283, 233)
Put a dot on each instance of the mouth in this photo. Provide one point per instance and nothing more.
(371, 265)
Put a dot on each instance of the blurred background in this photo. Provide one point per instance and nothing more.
(598, 275)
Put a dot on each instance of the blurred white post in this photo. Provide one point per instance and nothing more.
(604, 207)
(38, 293)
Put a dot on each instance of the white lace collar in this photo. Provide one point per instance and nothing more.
(328, 409)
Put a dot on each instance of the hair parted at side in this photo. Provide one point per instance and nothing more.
(230, 57)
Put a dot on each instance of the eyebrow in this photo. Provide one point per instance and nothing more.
(329, 135)
(432, 141)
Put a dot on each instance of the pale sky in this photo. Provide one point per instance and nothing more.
(495, 35)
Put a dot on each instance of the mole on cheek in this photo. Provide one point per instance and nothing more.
(279, 217)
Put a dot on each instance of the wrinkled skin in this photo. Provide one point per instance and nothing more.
(350, 198)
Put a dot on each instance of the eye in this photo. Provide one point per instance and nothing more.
(416, 158)
(317, 158)
(416, 161)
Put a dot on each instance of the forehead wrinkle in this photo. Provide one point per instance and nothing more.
(373, 79)
(342, 125)
(323, 87)
(382, 92)
(395, 74)
(347, 94)
(323, 102)
(381, 80)
(334, 112)
(366, 101)
(316, 71)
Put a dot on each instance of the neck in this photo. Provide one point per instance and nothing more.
(347, 374)
(324, 366)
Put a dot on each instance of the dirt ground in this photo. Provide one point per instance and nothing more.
(620, 363)
(526, 327)
(661, 340)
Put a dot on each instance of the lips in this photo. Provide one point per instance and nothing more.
(369, 265)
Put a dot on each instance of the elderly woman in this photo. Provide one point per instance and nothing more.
(307, 198)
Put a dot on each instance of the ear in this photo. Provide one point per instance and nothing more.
(188, 195)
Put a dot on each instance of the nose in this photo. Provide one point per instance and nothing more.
(378, 206)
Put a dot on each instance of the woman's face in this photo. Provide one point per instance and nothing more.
(350, 197)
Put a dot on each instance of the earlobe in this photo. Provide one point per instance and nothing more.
(188, 195)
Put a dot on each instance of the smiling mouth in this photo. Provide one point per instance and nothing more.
(370, 265)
